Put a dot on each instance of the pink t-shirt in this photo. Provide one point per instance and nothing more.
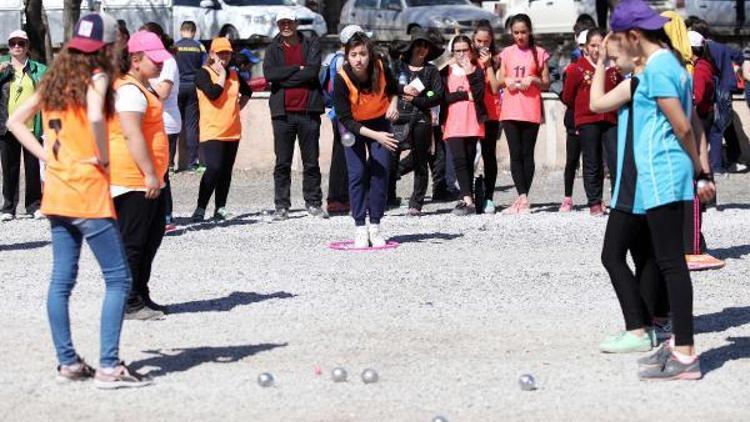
(461, 121)
(525, 106)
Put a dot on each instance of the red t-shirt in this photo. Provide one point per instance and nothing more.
(577, 92)
(295, 99)
(703, 87)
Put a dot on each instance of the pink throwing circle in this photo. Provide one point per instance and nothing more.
(348, 245)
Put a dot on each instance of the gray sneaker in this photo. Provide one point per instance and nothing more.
(145, 314)
(656, 359)
(121, 377)
(6, 216)
(673, 370)
(316, 211)
(198, 215)
(281, 214)
(222, 214)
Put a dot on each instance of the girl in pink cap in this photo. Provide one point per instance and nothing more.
(139, 155)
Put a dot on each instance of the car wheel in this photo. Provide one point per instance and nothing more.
(229, 32)
(412, 29)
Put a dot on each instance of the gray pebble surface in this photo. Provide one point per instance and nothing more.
(449, 320)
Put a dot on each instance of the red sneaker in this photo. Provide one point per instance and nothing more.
(596, 210)
(336, 207)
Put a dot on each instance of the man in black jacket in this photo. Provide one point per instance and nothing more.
(291, 66)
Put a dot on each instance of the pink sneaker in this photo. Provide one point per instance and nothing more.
(567, 205)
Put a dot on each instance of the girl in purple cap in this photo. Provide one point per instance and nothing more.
(667, 162)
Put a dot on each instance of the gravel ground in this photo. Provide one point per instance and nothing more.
(450, 319)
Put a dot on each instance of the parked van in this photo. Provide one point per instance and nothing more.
(235, 19)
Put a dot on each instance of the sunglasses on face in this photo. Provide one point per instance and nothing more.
(17, 43)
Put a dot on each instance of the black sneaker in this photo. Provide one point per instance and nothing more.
(281, 214)
(198, 215)
(316, 211)
(121, 377)
(443, 196)
(462, 209)
(673, 370)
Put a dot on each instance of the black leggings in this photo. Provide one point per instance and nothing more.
(521, 142)
(641, 295)
(421, 138)
(665, 224)
(593, 137)
(572, 159)
(464, 150)
(492, 130)
(219, 159)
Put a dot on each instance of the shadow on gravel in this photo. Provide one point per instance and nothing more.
(503, 188)
(734, 206)
(225, 304)
(24, 246)
(425, 237)
(735, 252)
(180, 360)
(184, 225)
(714, 359)
(722, 321)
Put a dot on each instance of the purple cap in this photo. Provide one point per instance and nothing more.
(635, 14)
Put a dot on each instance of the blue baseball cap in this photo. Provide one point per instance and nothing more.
(635, 14)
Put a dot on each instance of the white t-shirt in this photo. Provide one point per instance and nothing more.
(172, 119)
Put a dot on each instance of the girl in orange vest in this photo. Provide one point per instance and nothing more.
(139, 155)
(365, 98)
(75, 98)
(219, 103)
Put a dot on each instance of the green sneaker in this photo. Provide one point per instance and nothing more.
(626, 343)
(489, 207)
(222, 214)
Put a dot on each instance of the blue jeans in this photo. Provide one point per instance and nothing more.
(368, 177)
(104, 239)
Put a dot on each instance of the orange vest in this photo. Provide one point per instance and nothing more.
(124, 170)
(73, 189)
(220, 118)
(367, 105)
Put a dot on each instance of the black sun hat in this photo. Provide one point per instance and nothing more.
(420, 35)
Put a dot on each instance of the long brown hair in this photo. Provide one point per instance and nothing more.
(68, 80)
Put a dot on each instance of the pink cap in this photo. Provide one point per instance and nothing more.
(18, 34)
(150, 44)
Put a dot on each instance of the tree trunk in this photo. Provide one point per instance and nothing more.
(38, 31)
(332, 14)
(71, 13)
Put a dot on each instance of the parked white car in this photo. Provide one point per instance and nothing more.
(236, 19)
(550, 16)
(717, 12)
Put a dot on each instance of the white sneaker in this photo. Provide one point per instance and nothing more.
(376, 238)
(6, 216)
(38, 215)
(361, 237)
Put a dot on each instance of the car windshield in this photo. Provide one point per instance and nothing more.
(420, 3)
(260, 2)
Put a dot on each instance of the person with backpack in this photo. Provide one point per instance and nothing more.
(338, 183)
(420, 89)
